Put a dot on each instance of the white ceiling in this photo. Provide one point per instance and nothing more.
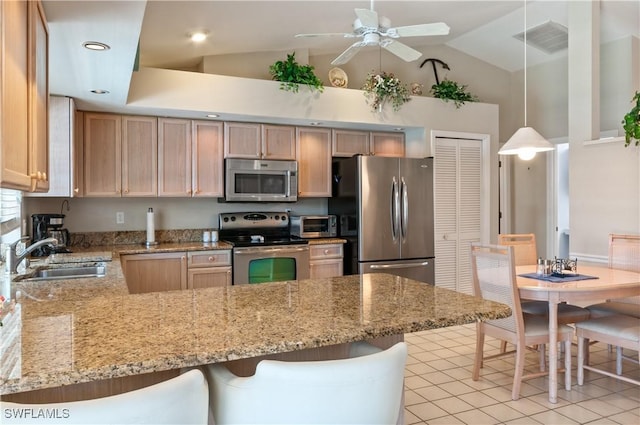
(483, 29)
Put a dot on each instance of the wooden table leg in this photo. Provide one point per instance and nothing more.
(553, 350)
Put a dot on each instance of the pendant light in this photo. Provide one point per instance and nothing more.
(525, 142)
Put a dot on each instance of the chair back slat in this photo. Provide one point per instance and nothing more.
(494, 279)
(524, 246)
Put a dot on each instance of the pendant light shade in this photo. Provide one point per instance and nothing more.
(525, 142)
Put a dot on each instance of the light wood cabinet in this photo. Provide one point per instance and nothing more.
(119, 155)
(14, 99)
(326, 260)
(38, 98)
(346, 143)
(207, 269)
(259, 141)
(64, 175)
(387, 144)
(139, 156)
(102, 156)
(174, 157)
(155, 272)
(314, 162)
(207, 159)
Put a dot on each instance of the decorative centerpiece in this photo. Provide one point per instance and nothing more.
(631, 123)
(450, 90)
(291, 74)
(382, 88)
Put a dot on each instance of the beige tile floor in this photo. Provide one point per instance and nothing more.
(439, 389)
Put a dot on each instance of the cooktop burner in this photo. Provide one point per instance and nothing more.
(256, 229)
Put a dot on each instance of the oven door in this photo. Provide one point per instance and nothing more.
(270, 264)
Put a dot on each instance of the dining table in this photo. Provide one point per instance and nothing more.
(589, 284)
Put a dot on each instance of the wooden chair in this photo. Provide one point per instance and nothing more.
(357, 390)
(494, 278)
(621, 331)
(525, 253)
(180, 400)
(624, 254)
(524, 247)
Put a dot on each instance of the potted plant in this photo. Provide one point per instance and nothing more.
(291, 74)
(631, 123)
(450, 90)
(380, 88)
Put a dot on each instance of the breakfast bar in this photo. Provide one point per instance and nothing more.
(89, 330)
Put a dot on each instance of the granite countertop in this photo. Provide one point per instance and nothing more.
(73, 331)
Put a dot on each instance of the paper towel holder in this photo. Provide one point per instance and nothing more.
(151, 239)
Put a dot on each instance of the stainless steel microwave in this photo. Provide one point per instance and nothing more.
(314, 226)
(249, 180)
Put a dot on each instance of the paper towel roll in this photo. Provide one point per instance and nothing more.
(151, 231)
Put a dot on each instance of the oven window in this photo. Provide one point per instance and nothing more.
(272, 270)
(249, 183)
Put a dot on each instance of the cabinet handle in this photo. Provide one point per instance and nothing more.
(210, 258)
(326, 251)
(44, 176)
(188, 192)
(76, 190)
(126, 191)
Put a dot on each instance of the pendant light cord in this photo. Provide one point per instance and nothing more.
(525, 63)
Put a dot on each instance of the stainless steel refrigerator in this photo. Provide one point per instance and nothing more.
(389, 203)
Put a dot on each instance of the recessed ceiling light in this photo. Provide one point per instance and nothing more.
(315, 123)
(398, 129)
(212, 115)
(199, 37)
(99, 91)
(95, 45)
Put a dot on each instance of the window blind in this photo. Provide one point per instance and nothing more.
(10, 203)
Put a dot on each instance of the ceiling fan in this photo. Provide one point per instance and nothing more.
(376, 30)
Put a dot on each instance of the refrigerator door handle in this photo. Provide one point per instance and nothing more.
(405, 210)
(394, 209)
(397, 266)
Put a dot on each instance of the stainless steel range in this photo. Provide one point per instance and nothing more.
(263, 250)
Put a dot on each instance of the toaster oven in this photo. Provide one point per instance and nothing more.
(314, 226)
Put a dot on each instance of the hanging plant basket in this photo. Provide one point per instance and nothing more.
(291, 74)
(450, 90)
(631, 123)
(384, 87)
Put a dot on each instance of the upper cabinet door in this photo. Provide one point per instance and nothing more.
(139, 156)
(346, 143)
(207, 174)
(242, 140)
(38, 98)
(278, 142)
(314, 162)
(102, 155)
(14, 89)
(174, 157)
(387, 144)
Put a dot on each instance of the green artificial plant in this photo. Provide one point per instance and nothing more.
(450, 90)
(291, 74)
(631, 123)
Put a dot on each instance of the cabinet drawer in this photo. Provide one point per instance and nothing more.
(209, 258)
(325, 251)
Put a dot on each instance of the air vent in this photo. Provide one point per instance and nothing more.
(550, 37)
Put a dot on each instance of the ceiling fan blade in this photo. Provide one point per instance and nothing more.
(368, 18)
(327, 34)
(348, 54)
(401, 50)
(437, 28)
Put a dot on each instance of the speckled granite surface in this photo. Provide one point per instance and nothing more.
(89, 329)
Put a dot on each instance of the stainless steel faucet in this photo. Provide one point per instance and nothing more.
(13, 258)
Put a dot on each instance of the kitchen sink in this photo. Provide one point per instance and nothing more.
(60, 273)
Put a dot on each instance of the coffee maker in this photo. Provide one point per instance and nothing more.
(49, 226)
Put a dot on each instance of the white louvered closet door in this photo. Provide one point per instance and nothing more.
(457, 188)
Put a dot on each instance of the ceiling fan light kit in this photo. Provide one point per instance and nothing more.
(375, 30)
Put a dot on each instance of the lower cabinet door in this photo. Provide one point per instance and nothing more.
(325, 268)
(208, 277)
(155, 272)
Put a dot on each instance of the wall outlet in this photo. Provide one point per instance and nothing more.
(120, 217)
